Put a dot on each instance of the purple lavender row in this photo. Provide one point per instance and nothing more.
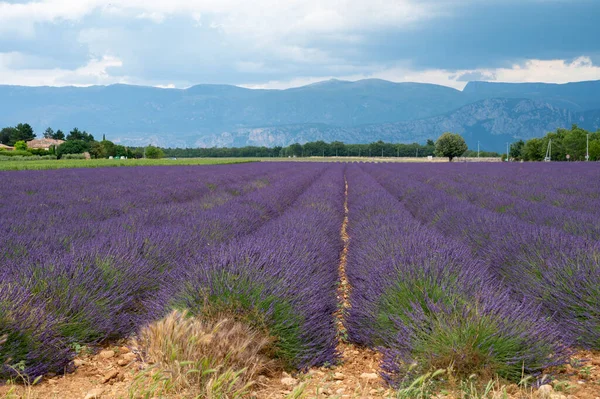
(427, 303)
(460, 185)
(282, 278)
(557, 270)
(574, 187)
(35, 209)
(100, 286)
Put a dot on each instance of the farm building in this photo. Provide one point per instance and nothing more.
(6, 147)
(44, 143)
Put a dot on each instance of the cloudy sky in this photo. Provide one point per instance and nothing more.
(286, 43)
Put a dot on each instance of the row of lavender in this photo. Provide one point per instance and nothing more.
(573, 207)
(427, 302)
(283, 276)
(93, 255)
(558, 270)
(572, 186)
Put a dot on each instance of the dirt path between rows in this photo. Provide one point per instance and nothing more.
(356, 374)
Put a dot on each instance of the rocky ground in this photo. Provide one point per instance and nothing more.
(111, 374)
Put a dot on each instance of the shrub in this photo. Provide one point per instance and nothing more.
(20, 145)
(72, 156)
(16, 153)
(39, 151)
(26, 158)
(154, 152)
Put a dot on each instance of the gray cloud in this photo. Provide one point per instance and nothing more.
(232, 41)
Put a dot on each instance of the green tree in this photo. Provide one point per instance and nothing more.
(154, 152)
(450, 145)
(516, 150)
(59, 135)
(72, 147)
(574, 143)
(316, 148)
(77, 134)
(377, 148)
(21, 145)
(21, 132)
(138, 153)
(109, 148)
(595, 150)
(295, 149)
(121, 151)
(97, 150)
(25, 132)
(338, 148)
(532, 150)
(6, 135)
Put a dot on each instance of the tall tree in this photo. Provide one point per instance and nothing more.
(6, 135)
(59, 135)
(516, 150)
(532, 150)
(77, 134)
(25, 132)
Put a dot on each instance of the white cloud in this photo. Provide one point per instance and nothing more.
(258, 18)
(543, 71)
(553, 71)
(155, 17)
(95, 72)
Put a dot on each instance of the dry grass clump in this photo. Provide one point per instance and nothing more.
(212, 359)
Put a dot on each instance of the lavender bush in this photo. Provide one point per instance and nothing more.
(282, 278)
(536, 262)
(428, 303)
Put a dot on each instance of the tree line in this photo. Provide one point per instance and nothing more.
(311, 149)
(75, 142)
(573, 142)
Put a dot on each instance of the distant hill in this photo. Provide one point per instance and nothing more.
(362, 111)
(578, 96)
(491, 122)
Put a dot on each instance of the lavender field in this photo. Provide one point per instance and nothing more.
(493, 268)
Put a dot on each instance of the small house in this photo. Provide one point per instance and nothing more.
(44, 144)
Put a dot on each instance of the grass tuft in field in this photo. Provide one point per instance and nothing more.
(206, 358)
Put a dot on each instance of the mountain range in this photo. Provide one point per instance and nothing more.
(354, 112)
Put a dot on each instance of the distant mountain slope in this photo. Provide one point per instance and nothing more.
(491, 122)
(123, 109)
(362, 111)
(577, 96)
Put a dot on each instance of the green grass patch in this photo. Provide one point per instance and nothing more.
(104, 163)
